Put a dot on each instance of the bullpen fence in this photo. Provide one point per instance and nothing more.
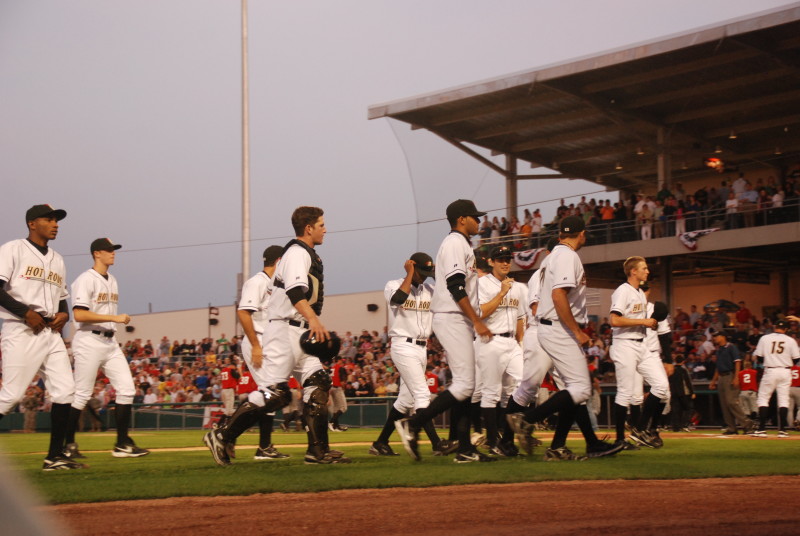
(361, 412)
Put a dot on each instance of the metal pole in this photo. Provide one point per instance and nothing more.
(245, 153)
(511, 187)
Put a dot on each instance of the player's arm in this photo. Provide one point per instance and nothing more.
(491, 306)
(83, 314)
(457, 285)
(297, 296)
(520, 329)
(564, 312)
(401, 294)
(246, 320)
(619, 321)
(32, 319)
(61, 318)
(737, 363)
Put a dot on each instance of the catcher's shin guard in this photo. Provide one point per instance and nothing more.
(315, 413)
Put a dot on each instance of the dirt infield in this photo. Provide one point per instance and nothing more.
(766, 505)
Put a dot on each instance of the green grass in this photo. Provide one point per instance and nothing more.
(187, 473)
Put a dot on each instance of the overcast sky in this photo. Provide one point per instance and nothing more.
(127, 115)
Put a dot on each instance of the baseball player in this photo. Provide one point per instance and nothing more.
(293, 309)
(629, 321)
(338, 402)
(256, 293)
(478, 436)
(456, 322)
(33, 307)
(748, 389)
(95, 297)
(561, 315)
(778, 352)
(409, 302)
(794, 396)
(499, 360)
(229, 381)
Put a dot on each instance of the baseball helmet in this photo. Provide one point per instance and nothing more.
(326, 351)
(660, 311)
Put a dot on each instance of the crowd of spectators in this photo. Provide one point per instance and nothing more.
(734, 203)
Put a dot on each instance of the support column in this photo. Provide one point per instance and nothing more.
(667, 286)
(511, 187)
(663, 163)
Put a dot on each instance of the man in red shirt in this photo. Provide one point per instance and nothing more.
(338, 402)
(229, 380)
(433, 381)
(748, 389)
(743, 315)
(794, 396)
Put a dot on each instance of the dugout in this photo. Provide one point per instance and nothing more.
(643, 117)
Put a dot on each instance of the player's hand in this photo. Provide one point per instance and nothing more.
(735, 382)
(318, 331)
(792, 318)
(669, 368)
(409, 266)
(482, 331)
(34, 321)
(583, 338)
(506, 285)
(651, 323)
(58, 322)
(256, 356)
(122, 319)
(712, 385)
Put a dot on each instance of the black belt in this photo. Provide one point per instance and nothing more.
(547, 322)
(779, 367)
(294, 323)
(418, 342)
(109, 334)
(506, 334)
(632, 340)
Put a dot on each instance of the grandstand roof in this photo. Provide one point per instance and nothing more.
(729, 91)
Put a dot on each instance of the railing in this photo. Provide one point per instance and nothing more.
(614, 231)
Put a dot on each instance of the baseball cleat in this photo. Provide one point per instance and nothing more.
(128, 450)
(562, 454)
(217, 448)
(504, 450)
(603, 448)
(284, 426)
(627, 445)
(478, 439)
(61, 463)
(269, 453)
(409, 437)
(71, 451)
(656, 439)
(445, 447)
(474, 456)
(783, 433)
(758, 433)
(381, 449)
(642, 437)
(523, 430)
(325, 459)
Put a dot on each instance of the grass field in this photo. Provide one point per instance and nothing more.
(180, 466)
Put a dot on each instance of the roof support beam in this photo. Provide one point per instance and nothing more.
(485, 161)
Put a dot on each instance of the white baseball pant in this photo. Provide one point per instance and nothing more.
(93, 352)
(283, 357)
(568, 359)
(456, 334)
(749, 402)
(775, 379)
(410, 360)
(495, 361)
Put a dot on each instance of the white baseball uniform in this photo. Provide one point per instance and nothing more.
(500, 359)
(453, 329)
(283, 355)
(409, 329)
(563, 269)
(256, 293)
(778, 350)
(628, 347)
(95, 346)
(38, 281)
(650, 367)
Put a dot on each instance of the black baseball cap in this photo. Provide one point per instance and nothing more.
(423, 264)
(40, 211)
(781, 324)
(572, 224)
(103, 244)
(271, 255)
(463, 207)
(480, 261)
(501, 252)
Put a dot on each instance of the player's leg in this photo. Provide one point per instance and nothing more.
(784, 383)
(86, 351)
(637, 399)
(266, 450)
(59, 382)
(478, 437)
(651, 368)
(491, 359)
(624, 355)
(119, 374)
(768, 385)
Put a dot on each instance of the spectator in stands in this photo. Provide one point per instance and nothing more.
(743, 315)
(679, 193)
(748, 204)
(691, 210)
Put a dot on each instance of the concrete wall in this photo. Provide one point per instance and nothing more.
(341, 313)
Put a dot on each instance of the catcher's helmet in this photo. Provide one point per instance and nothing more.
(326, 351)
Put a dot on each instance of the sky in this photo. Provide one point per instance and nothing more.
(128, 116)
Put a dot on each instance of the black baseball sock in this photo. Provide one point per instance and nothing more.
(636, 414)
(72, 425)
(649, 409)
(430, 431)
(512, 407)
(559, 401)
(783, 418)
(455, 416)
(620, 414)
(490, 421)
(388, 427)
(659, 414)
(440, 404)
(566, 417)
(762, 417)
(462, 431)
(335, 419)
(475, 414)
(59, 415)
(585, 424)
(122, 413)
(265, 424)
(242, 419)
